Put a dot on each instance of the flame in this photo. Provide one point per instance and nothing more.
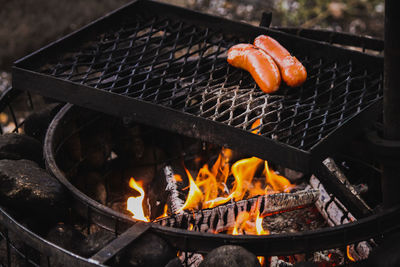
(277, 182)
(348, 253)
(243, 171)
(178, 178)
(259, 227)
(194, 197)
(135, 204)
(255, 124)
(165, 213)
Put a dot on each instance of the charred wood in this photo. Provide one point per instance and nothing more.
(173, 199)
(335, 213)
(223, 217)
(337, 172)
(174, 204)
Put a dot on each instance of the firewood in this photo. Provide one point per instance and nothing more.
(173, 200)
(335, 213)
(174, 203)
(332, 167)
(223, 217)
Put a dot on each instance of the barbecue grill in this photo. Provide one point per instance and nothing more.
(124, 60)
(150, 61)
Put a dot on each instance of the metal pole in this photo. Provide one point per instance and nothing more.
(391, 101)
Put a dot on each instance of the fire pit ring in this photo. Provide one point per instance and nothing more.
(184, 240)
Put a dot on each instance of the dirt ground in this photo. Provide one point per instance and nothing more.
(27, 25)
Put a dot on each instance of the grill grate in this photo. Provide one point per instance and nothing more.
(181, 66)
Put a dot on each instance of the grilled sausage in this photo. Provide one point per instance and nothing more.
(260, 65)
(292, 71)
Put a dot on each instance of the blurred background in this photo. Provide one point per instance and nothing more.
(27, 25)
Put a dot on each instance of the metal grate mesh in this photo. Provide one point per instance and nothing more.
(182, 66)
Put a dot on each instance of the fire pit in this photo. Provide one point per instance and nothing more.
(71, 123)
(77, 148)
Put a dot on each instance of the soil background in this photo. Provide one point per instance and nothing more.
(27, 25)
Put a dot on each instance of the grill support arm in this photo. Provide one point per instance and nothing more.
(391, 103)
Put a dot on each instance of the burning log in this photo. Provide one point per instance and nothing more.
(174, 203)
(335, 213)
(223, 217)
(173, 200)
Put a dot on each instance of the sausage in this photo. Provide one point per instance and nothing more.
(293, 72)
(260, 65)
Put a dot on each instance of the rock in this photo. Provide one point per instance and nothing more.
(94, 242)
(37, 123)
(19, 146)
(148, 250)
(28, 189)
(230, 256)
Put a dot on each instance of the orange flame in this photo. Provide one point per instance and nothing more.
(135, 204)
(194, 197)
(255, 124)
(278, 183)
(243, 171)
(348, 253)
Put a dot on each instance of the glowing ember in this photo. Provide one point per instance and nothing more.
(135, 204)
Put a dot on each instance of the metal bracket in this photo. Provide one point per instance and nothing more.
(120, 243)
(266, 19)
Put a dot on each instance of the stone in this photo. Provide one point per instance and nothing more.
(19, 146)
(147, 250)
(28, 189)
(230, 256)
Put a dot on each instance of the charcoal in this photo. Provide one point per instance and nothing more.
(37, 123)
(26, 187)
(19, 146)
(94, 242)
(147, 250)
(230, 256)
(93, 185)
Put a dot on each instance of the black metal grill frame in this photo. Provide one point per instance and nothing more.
(156, 65)
(376, 225)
